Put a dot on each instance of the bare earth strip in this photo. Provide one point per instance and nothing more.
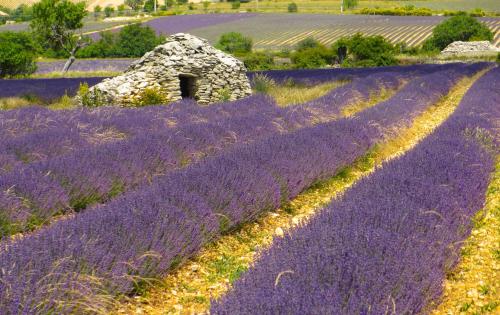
(474, 286)
(210, 274)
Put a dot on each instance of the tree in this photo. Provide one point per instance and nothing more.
(259, 61)
(457, 28)
(234, 43)
(312, 57)
(349, 4)
(169, 3)
(17, 54)
(23, 12)
(365, 50)
(102, 48)
(235, 5)
(55, 23)
(109, 10)
(97, 11)
(206, 4)
(121, 9)
(149, 6)
(306, 43)
(134, 4)
(134, 40)
(292, 7)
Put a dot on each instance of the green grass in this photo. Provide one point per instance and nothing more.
(8, 103)
(286, 95)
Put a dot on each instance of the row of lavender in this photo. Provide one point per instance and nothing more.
(386, 245)
(51, 89)
(148, 232)
(91, 174)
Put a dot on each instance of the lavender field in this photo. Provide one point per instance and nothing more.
(98, 205)
(51, 89)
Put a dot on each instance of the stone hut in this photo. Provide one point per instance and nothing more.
(185, 66)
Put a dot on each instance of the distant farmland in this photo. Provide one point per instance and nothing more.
(275, 31)
(281, 30)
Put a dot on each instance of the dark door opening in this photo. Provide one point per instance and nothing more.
(188, 86)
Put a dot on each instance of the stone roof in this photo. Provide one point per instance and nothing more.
(215, 74)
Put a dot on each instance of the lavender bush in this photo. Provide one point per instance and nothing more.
(386, 245)
(316, 76)
(94, 174)
(45, 90)
(152, 230)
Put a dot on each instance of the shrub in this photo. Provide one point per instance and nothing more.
(109, 10)
(151, 96)
(498, 58)
(206, 4)
(259, 61)
(22, 13)
(17, 54)
(97, 11)
(88, 99)
(292, 7)
(457, 28)
(261, 83)
(235, 43)
(121, 9)
(224, 94)
(315, 57)
(477, 12)
(350, 4)
(169, 3)
(134, 4)
(104, 47)
(366, 51)
(235, 4)
(134, 40)
(308, 42)
(408, 10)
(148, 6)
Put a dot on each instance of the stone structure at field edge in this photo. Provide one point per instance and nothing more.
(478, 47)
(185, 66)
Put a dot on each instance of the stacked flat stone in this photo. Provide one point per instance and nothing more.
(216, 74)
(458, 48)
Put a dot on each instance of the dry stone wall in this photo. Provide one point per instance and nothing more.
(184, 66)
(460, 48)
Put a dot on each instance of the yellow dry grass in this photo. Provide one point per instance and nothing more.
(209, 275)
(474, 286)
(292, 95)
(13, 103)
(75, 74)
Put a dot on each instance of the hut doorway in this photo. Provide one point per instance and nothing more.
(187, 85)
